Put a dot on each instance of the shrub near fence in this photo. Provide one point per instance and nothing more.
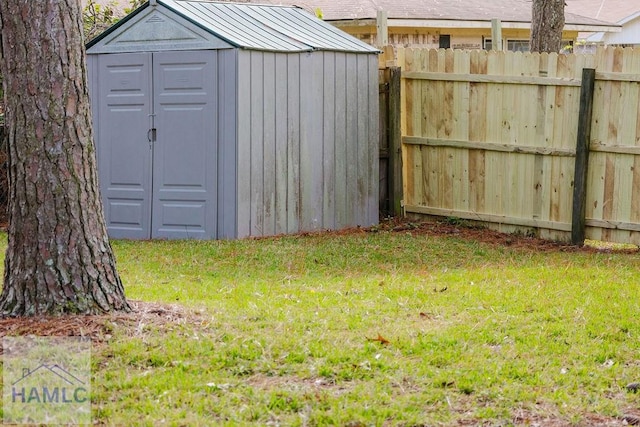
(491, 136)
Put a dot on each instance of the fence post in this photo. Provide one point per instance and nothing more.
(395, 142)
(578, 219)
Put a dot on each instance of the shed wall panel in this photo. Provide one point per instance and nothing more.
(294, 80)
(342, 207)
(306, 150)
(244, 144)
(311, 149)
(351, 140)
(362, 150)
(256, 124)
(329, 141)
(281, 142)
(269, 159)
(227, 155)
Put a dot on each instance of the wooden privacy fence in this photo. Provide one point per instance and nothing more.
(492, 137)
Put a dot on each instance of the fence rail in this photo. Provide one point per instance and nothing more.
(492, 136)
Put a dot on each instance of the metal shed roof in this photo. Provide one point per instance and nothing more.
(259, 27)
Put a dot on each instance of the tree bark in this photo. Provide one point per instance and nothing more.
(59, 259)
(547, 22)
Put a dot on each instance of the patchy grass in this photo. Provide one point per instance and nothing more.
(399, 327)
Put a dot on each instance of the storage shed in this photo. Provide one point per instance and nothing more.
(226, 120)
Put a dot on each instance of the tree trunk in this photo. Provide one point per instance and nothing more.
(59, 259)
(547, 22)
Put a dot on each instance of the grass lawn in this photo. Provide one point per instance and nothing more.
(379, 328)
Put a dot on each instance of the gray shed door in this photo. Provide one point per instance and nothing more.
(157, 142)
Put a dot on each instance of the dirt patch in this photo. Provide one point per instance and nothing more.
(288, 382)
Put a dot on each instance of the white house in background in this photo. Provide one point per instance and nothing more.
(629, 36)
(625, 13)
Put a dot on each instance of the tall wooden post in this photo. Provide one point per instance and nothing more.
(496, 35)
(578, 220)
(395, 142)
(382, 29)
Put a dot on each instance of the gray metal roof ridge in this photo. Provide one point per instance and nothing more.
(240, 41)
(285, 35)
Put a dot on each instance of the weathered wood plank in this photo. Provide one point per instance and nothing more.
(626, 149)
(582, 157)
(395, 141)
(488, 146)
(487, 217)
(373, 124)
(492, 78)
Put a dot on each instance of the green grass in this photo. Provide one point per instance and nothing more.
(287, 333)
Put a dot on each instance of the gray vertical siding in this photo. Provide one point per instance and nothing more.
(352, 210)
(307, 141)
(311, 147)
(227, 156)
(342, 209)
(294, 80)
(244, 144)
(282, 148)
(329, 141)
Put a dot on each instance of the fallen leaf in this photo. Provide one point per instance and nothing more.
(382, 340)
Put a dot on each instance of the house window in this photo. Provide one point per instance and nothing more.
(518, 45)
(513, 45)
(522, 45)
(488, 44)
(445, 41)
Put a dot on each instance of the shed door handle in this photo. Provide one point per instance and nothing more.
(151, 136)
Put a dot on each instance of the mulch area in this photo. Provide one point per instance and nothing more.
(99, 328)
(466, 231)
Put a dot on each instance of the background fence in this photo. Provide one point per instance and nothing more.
(491, 136)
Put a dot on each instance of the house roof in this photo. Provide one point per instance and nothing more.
(509, 11)
(606, 10)
(246, 26)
